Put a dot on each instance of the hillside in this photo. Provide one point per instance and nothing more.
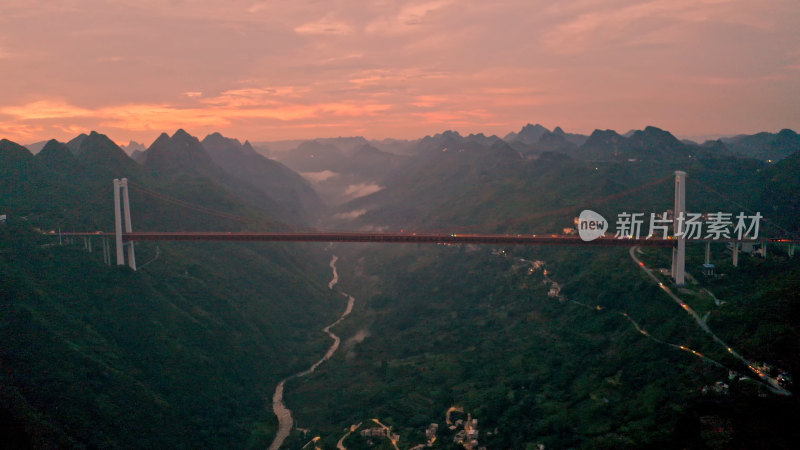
(477, 328)
(765, 146)
(455, 183)
(292, 193)
(95, 355)
(482, 329)
(342, 169)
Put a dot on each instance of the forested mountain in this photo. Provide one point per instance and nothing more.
(452, 177)
(183, 353)
(484, 331)
(341, 168)
(765, 146)
(529, 134)
(173, 159)
(263, 183)
(536, 138)
(446, 168)
(781, 191)
(286, 187)
(364, 160)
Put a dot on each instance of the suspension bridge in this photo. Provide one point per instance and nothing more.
(124, 240)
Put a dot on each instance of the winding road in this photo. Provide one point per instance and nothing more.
(284, 414)
(769, 381)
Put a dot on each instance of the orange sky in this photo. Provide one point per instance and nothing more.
(270, 70)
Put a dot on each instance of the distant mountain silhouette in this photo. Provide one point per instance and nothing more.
(655, 142)
(11, 152)
(364, 160)
(75, 143)
(367, 159)
(396, 146)
(36, 147)
(183, 155)
(314, 156)
(534, 139)
(133, 147)
(529, 134)
(98, 151)
(602, 144)
(180, 153)
(340, 168)
(555, 142)
(293, 193)
(446, 140)
(56, 156)
(346, 144)
(443, 167)
(575, 138)
(649, 144)
(764, 145)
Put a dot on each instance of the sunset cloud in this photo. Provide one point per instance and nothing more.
(263, 70)
(635, 22)
(45, 109)
(210, 114)
(406, 17)
(324, 26)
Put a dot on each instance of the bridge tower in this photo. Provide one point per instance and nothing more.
(679, 252)
(121, 188)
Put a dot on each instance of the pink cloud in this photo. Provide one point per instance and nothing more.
(270, 70)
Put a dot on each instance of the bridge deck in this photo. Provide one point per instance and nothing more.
(423, 238)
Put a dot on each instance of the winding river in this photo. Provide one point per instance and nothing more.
(284, 414)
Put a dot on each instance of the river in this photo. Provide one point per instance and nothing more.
(284, 414)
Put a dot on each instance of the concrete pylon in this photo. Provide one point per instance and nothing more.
(121, 189)
(126, 207)
(679, 252)
(118, 225)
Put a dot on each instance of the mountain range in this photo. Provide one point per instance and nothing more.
(183, 353)
(196, 340)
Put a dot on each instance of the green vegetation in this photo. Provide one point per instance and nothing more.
(461, 326)
(469, 328)
(186, 352)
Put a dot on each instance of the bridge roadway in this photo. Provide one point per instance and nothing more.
(390, 237)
